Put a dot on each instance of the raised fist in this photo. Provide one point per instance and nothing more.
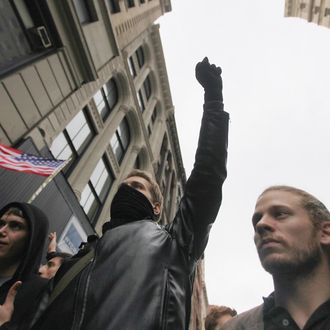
(209, 76)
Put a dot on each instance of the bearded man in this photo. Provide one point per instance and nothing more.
(292, 236)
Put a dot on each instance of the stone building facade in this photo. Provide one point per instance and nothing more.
(315, 11)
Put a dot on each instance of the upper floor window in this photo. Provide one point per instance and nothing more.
(96, 191)
(147, 87)
(136, 61)
(114, 6)
(23, 32)
(140, 100)
(86, 11)
(74, 139)
(140, 56)
(149, 129)
(144, 93)
(138, 163)
(131, 66)
(106, 98)
(120, 140)
(130, 3)
(154, 114)
(152, 119)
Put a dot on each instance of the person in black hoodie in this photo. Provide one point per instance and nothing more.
(23, 231)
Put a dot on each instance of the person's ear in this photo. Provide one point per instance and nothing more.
(325, 233)
(156, 208)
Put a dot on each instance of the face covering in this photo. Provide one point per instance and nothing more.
(129, 205)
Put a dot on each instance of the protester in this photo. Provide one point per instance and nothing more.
(23, 229)
(217, 316)
(54, 258)
(292, 236)
(142, 274)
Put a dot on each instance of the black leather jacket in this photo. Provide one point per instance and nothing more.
(142, 274)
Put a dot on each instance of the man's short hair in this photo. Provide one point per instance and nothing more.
(214, 313)
(156, 194)
(63, 255)
(316, 210)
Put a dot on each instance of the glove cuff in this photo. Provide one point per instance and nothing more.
(213, 94)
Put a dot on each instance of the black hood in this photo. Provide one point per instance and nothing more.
(38, 227)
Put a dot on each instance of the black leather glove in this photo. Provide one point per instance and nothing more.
(209, 76)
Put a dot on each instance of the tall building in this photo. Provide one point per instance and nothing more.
(315, 11)
(86, 80)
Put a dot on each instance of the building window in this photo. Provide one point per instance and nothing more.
(86, 11)
(106, 98)
(23, 33)
(140, 56)
(152, 120)
(96, 191)
(137, 57)
(137, 163)
(147, 87)
(74, 139)
(114, 6)
(327, 12)
(130, 3)
(143, 94)
(302, 6)
(142, 1)
(154, 115)
(131, 66)
(120, 140)
(140, 100)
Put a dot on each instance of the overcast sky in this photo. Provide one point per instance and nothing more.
(276, 77)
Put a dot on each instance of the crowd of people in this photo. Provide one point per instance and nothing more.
(140, 274)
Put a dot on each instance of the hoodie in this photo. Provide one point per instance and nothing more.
(27, 271)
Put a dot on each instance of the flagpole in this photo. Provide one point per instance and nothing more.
(48, 180)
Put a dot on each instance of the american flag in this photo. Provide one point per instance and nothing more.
(17, 160)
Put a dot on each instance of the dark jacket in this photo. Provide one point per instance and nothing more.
(27, 271)
(142, 275)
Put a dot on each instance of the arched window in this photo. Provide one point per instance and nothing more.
(120, 140)
(25, 32)
(130, 3)
(74, 139)
(152, 119)
(147, 87)
(96, 191)
(86, 11)
(114, 6)
(136, 61)
(144, 93)
(106, 98)
(140, 56)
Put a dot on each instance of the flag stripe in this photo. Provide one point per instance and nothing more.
(7, 159)
(17, 160)
(9, 151)
(24, 167)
